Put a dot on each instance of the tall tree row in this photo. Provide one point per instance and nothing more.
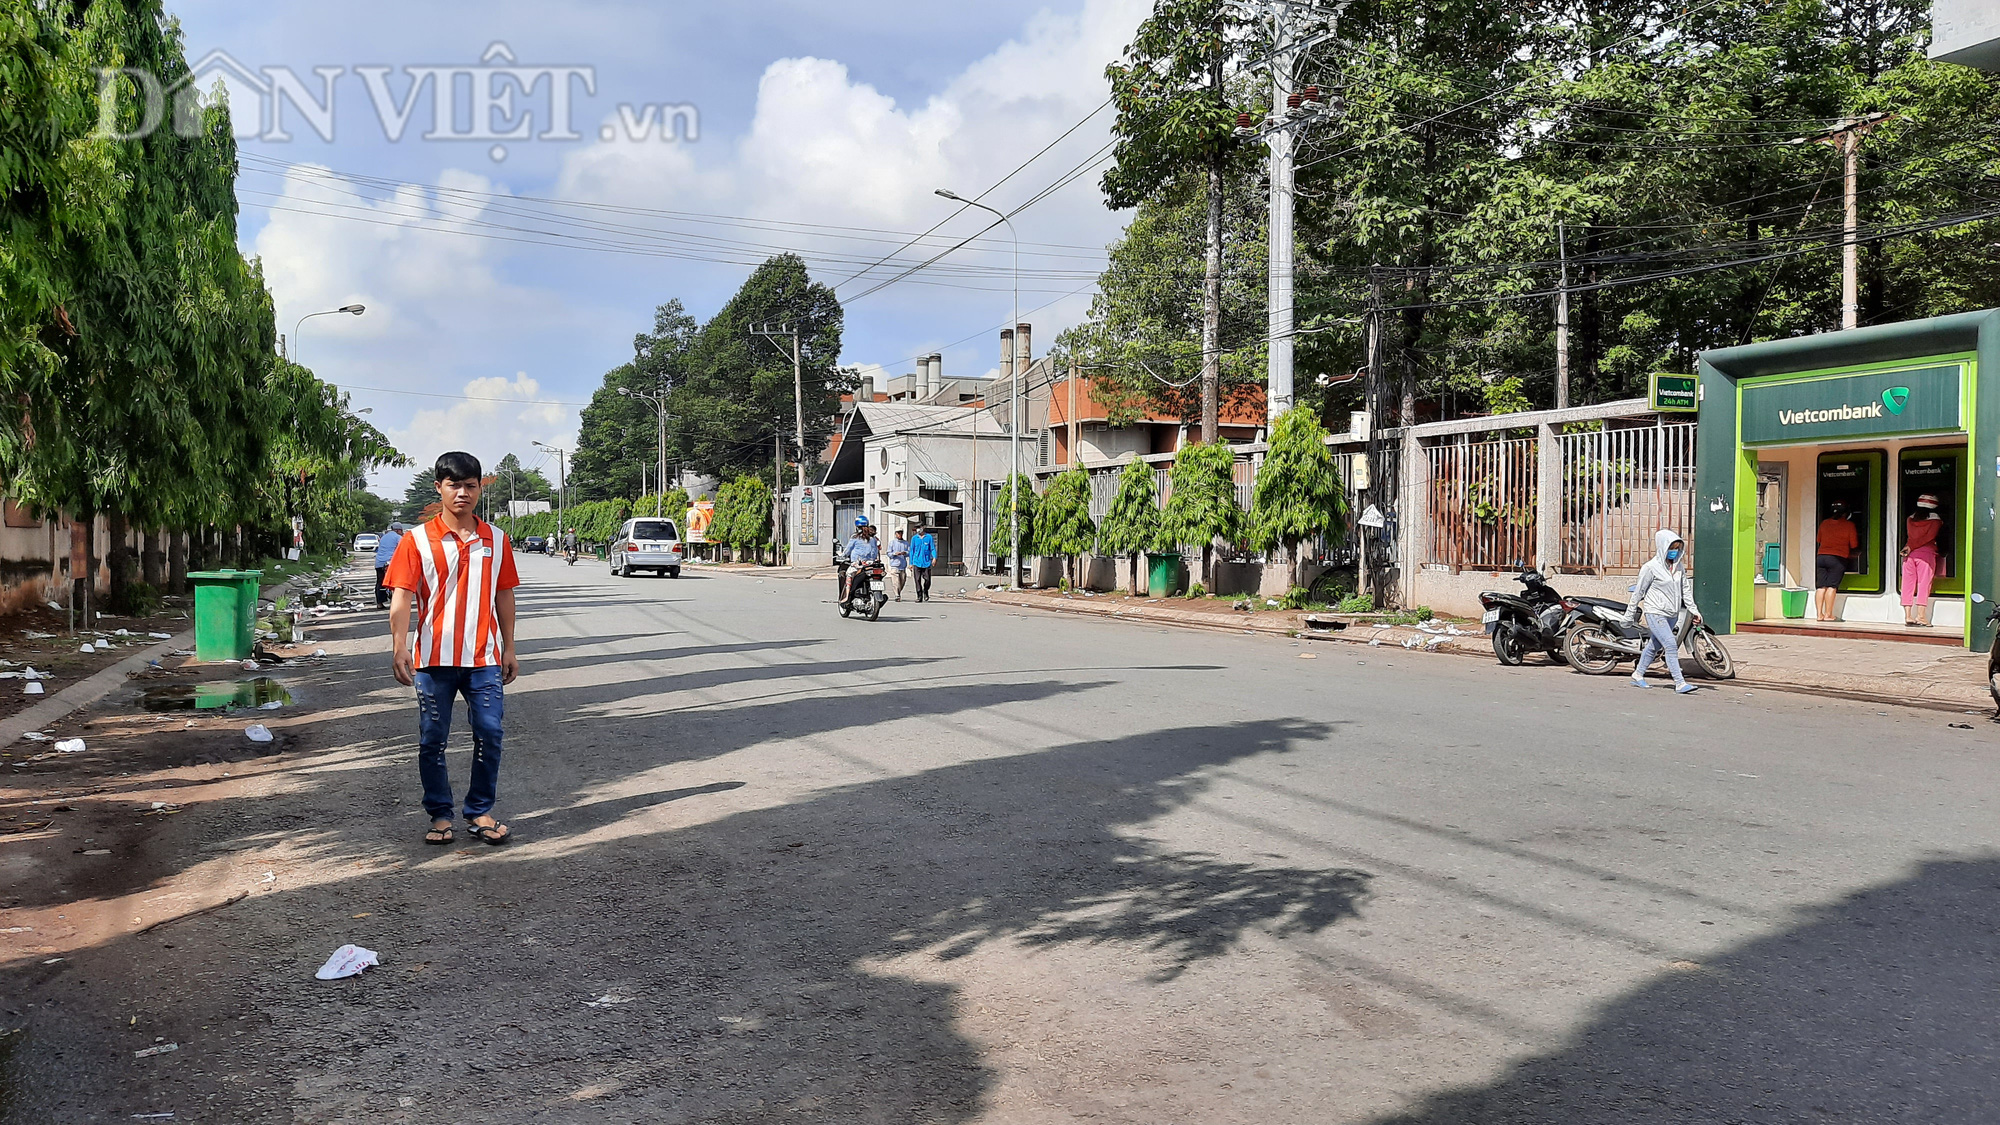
(137, 345)
(1662, 152)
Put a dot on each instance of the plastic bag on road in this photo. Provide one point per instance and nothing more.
(347, 961)
(258, 732)
(70, 746)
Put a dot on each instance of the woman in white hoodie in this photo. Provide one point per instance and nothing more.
(1663, 590)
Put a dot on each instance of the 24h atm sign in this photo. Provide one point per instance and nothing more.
(1820, 408)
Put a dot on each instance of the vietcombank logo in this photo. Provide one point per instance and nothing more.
(1893, 400)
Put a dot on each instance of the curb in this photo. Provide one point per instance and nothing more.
(85, 692)
(1975, 699)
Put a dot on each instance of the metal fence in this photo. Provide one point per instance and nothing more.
(1619, 486)
(1482, 503)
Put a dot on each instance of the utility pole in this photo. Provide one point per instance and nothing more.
(1562, 321)
(777, 488)
(562, 481)
(773, 331)
(1291, 111)
(1845, 137)
(1364, 570)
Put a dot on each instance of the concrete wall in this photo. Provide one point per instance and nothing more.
(34, 561)
(1457, 595)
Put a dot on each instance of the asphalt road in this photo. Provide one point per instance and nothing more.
(976, 864)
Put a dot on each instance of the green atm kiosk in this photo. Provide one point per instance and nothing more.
(1855, 479)
(1940, 473)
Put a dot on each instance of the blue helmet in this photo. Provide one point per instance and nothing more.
(861, 521)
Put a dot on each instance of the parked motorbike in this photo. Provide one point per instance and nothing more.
(1993, 663)
(1603, 638)
(866, 598)
(1535, 620)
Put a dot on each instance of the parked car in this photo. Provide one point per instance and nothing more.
(366, 542)
(535, 544)
(646, 544)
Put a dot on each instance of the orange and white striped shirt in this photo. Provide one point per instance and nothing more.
(456, 583)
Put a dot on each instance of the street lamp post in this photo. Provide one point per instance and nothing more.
(351, 310)
(1014, 507)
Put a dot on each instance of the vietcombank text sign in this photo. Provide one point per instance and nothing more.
(1811, 408)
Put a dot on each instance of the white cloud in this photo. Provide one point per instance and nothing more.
(496, 417)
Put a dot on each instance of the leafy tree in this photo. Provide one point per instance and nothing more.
(1175, 113)
(742, 513)
(1202, 506)
(1298, 493)
(738, 386)
(618, 436)
(372, 512)
(1063, 525)
(418, 498)
(509, 480)
(1132, 525)
(1016, 496)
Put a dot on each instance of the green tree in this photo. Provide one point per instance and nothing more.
(738, 386)
(742, 514)
(1016, 496)
(1132, 525)
(618, 441)
(1063, 525)
(1202, 506)
(1298, 493)
(1175, 113)
(421, 494)
(374, 513)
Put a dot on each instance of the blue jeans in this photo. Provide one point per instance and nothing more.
(437, 691)
(1660, 636)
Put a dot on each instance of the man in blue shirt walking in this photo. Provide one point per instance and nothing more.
(385, 549)
(923, 556)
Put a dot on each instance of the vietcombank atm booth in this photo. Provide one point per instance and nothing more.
(1867, 419)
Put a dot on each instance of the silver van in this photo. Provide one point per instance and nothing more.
(647, 543)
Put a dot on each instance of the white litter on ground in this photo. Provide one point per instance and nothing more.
(32, 687)
(258, 732)
(70, 746)
(87, 649)
(347, 961)
(161, 1049)
(161, 636)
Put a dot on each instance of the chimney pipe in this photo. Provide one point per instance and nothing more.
(1006, 353)
(1024, 350)
(866, 392)
(936, 369)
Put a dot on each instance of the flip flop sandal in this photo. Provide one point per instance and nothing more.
(439, 836)
(495, 834)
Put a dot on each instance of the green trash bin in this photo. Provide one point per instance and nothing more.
(1164, 578)
(1794, 602)
(225, 613)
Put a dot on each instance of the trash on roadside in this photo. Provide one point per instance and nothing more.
(34, 636)
(53, 605)
(271, 706)
(1961, 726)
(70, 746)
(38, 736)
(249, 665)
(122, 633)
(87, 648)
(258, 732)
(161, 636)
(608, 1000)
(32, 687)
(182, 652)
(1309, 656)
(347, 961)
(96, 851)
(1377, 642)
(159, 1049)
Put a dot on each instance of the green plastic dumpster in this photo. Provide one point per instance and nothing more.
(1164, 577)
(225, 613)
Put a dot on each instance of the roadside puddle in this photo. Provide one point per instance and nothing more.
(221, 695)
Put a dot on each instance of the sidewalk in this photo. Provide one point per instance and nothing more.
(1890, 672)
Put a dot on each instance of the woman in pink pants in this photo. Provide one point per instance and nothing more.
(1920, 561)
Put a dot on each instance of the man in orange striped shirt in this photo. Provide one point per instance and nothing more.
(457, 573)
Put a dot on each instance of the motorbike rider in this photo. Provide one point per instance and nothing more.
(1664, 589)
(863, 548)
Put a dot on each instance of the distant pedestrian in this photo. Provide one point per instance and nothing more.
(457, 572)
(385, 549)
(1920, 561)
(896, 552)
(1838, 540)
(1664, 591)
(923, 556)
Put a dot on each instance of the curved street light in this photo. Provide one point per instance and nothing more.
(659, 400)
(299, 328)
(1014, 513)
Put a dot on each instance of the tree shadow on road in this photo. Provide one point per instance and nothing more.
(1877, 1008)
(727, 970)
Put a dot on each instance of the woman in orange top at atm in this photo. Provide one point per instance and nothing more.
(1920, 561)
(1838, 541)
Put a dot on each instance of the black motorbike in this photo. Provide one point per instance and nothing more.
(1993, 663)
(865, 596)
(1535, 620)
(1603, 637)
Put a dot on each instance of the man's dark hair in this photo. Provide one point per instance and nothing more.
(457, 466)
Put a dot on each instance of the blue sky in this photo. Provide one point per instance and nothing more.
(821, 128)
